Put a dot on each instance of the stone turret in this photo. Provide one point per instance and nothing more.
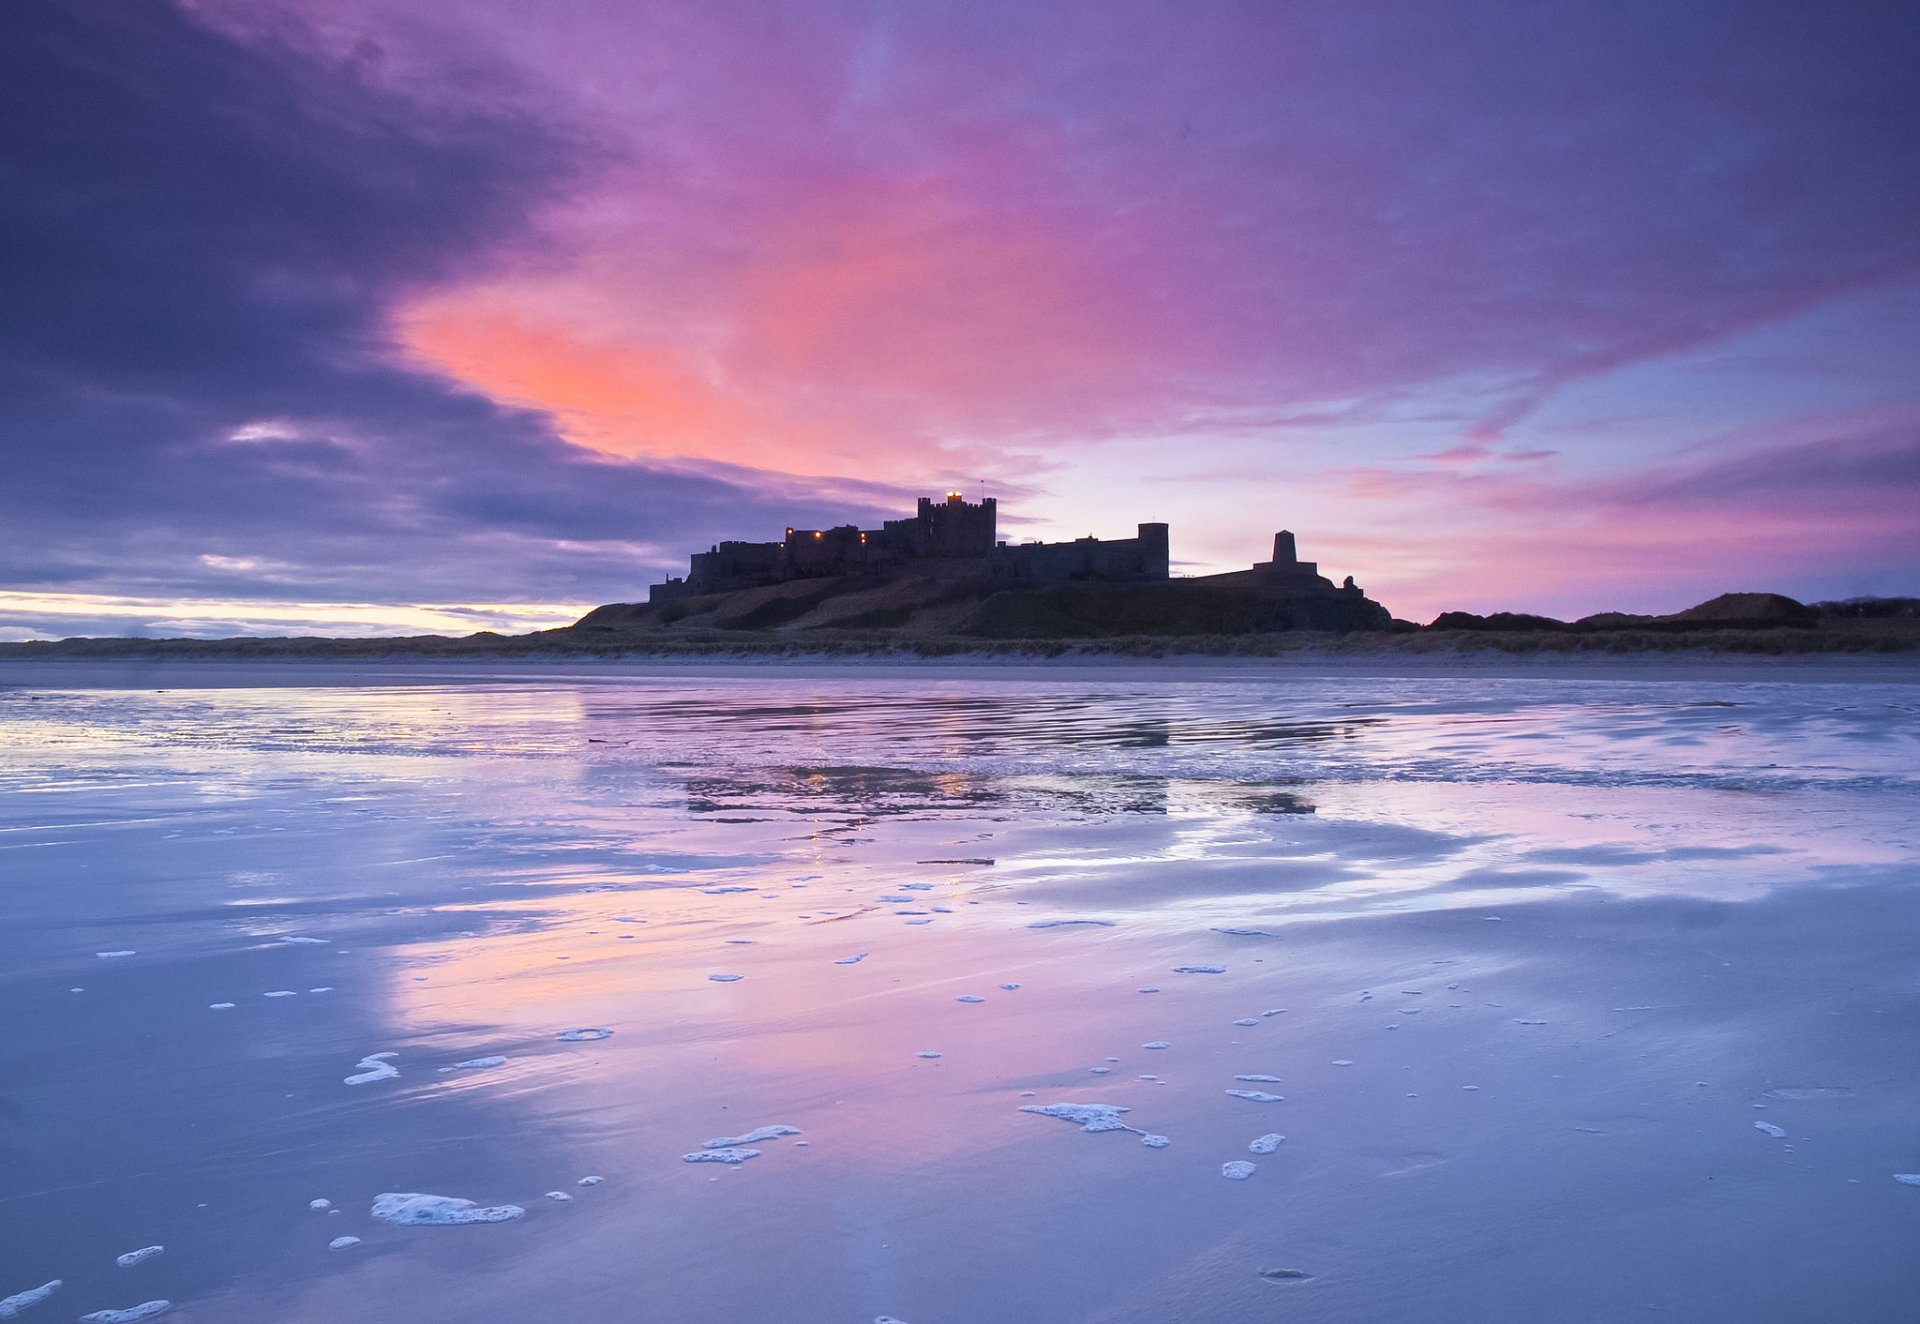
(1286, 562)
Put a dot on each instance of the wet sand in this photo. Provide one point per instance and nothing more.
(1515, 964)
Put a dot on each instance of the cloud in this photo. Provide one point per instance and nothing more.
(202, 241)
(396, 302)
(68, 615)
(1818, 507)
(1006, 227)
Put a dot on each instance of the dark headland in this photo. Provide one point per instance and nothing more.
(940, 583)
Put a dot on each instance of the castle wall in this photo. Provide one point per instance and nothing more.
(728, 561)
(1110, 560)
(846, 550)
(948, 538)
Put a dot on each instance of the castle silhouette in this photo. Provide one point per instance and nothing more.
(953, 538)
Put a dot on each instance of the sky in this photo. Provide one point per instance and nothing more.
(373, 317)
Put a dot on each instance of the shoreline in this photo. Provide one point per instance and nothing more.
(200, 672)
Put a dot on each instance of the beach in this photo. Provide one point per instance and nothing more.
(962, 991)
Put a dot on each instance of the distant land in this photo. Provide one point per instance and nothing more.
(940, 582)
(854, 616)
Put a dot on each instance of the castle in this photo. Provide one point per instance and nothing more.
(954, 538)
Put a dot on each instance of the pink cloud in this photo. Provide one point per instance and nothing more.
(960, 229)
(1806, 508)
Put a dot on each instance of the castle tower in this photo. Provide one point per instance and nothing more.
(1155, 559)
(956, 526)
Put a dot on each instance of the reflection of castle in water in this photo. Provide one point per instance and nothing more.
(958, 539)
(843, 804)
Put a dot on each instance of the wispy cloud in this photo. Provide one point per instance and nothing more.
(1822, 506)
(65, 615)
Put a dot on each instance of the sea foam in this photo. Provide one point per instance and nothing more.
(33, 1296)
(753, 1137)
(145, 1310)
(374, 1066)
(412, 1209)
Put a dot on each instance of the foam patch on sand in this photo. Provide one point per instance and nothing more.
(1245, 933)
(1257, 1079)
(1095, 1117)
(1258, 1096)
(1069, 923)
(1199, 970)
(374, 1066)
(145, 1310)
(855, 959)
(1904, 1178)
(586, 1035)
(33, 1296)
(1088, 1116)
(1246, 1020)
(107, 956)
(134, 1257)
(753, 1137)
(969, 997)
(480, 1063)
(1237, 1170)
(412, 1209)
(1266, 1144)
(1778, 1133)
(726, 979)
(728, 1156)
(343, 1243)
